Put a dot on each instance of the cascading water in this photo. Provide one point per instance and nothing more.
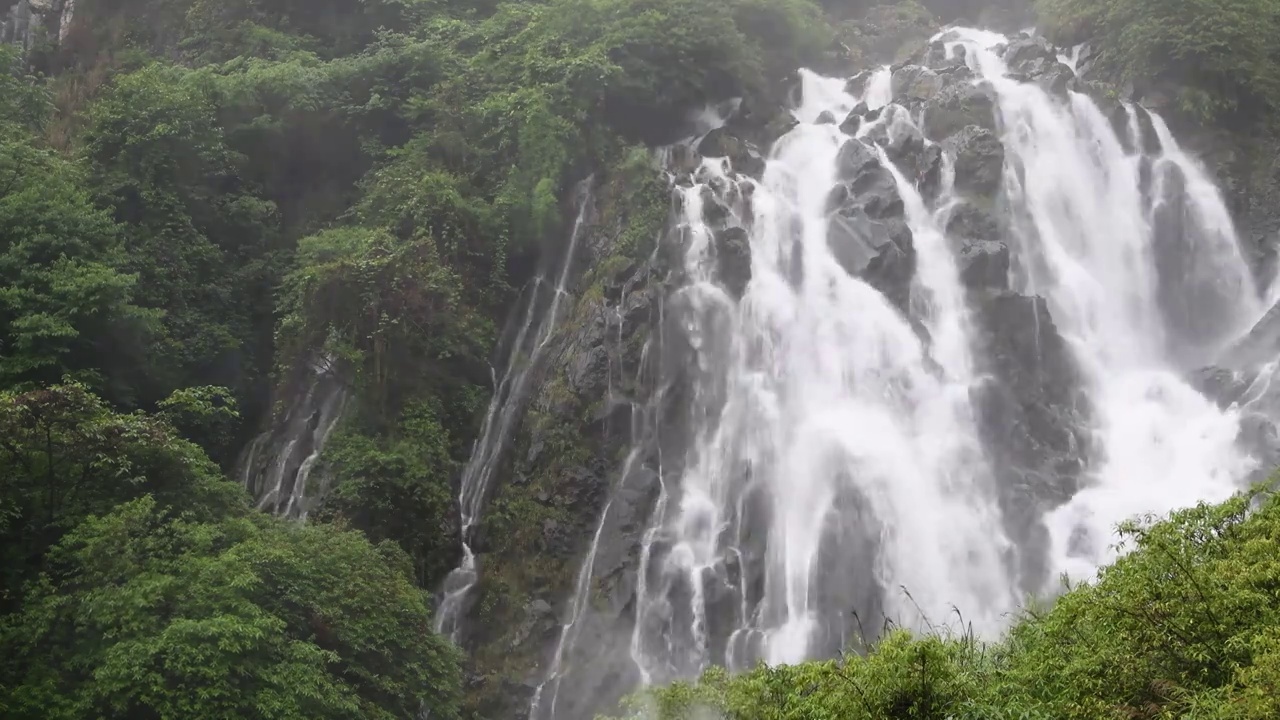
(277, 467)
(837, 464)
(1090, 244)
(841, 457)
(832, 430)
(505, 408)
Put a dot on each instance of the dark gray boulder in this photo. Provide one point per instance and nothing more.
(905, 146)
(915, 83)
(857, 85)
(878, 251)
(984, 265)
(733, 259)
(1028, 55)
(1224, 386)
(855, 159)
(743, 155)
(958, 106)
(968, 222)
(979, 161)
(935, 57)
(852, 123)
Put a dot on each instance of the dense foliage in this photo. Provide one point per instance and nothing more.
(1219, 54)
(146, 613)
(1184, 626)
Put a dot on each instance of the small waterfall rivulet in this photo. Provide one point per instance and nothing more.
(845, 461)
(504, 412)
(277, 466)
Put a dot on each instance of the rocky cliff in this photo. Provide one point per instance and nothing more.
(28, 21)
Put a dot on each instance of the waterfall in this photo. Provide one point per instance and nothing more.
(505, 409)
(836, 473)
(277, 466)
(837, 453)
(1130, 286)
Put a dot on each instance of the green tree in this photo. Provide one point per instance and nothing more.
(388, 307)
(144, 613)
(387, 485)
(66, 306)
(64, 455)
(197, 238)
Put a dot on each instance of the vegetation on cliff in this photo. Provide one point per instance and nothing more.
(1219, 55)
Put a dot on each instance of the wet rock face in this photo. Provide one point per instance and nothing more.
(1222, 385)
(563, 467)
(968, 223)
(744, 156)
(877, 251)
(1033, 417)
(915, 83)
(984, 265)
(1034, 60)
(867, 232)
(1027, 55)
(733, 254)
(905, 146)
(276, 468)
(979, 158)
(1246, 377)
(957, 106)
(24, 22)
(15, 23)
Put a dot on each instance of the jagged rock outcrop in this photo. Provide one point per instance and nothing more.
(979, 158)
(744, 156)
(16, 24)
(957, 106)
(24, 21)
(1033, 417)
(867, 232)
(913, 83)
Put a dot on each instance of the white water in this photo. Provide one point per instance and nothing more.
(272, 468)
(566, 639)
(817, 390)
(504, 409)
(823, 414)
(1087, 244)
